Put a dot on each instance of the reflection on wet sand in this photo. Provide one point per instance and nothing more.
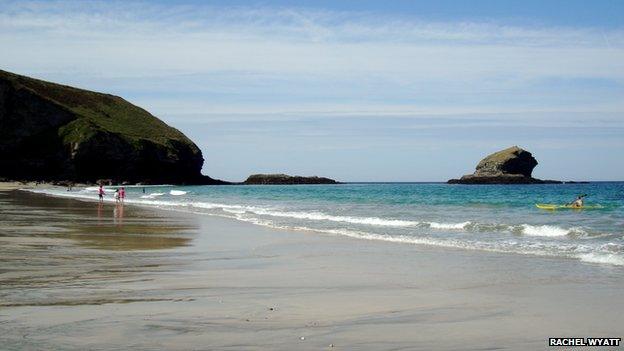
(118, 214)
(63, 251)
(95, 225)
(100, 209)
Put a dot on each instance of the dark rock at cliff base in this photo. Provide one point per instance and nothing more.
(510, 166)
(54, 132)
(501, 179)
(277, 179)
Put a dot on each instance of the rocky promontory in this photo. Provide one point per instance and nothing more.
(53, 132)
(510, 166)
(283, 179)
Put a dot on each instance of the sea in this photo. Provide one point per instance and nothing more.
(497, 218)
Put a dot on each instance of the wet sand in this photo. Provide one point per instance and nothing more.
(7, 186)
(76, 275)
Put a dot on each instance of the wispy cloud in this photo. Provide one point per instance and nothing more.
(270, 58)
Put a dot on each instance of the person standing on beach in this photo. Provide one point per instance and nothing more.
(122, 194)
(101, 193)
(116, 195)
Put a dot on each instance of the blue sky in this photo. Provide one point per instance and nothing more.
(355, 90)
(552, 12)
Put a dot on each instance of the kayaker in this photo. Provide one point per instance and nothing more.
(578, 202)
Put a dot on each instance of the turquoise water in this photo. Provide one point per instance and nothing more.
(501, 218)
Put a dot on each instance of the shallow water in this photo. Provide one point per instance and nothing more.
(500, 218)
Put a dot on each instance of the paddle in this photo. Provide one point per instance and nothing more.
(580, 197)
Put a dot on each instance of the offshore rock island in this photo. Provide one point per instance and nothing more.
(510, 166)
(53, 132)
(283, 179)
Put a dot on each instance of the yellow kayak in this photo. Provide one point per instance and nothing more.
(566, 207)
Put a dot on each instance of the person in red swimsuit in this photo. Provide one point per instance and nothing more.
(101, 193)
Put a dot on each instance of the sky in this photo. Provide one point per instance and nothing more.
(353, 90)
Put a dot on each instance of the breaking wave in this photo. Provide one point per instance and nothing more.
(544, 230)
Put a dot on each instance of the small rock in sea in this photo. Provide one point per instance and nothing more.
(286, 179)
(271, 308)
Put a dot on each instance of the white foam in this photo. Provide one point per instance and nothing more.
(177, 192)
(391, 238)
(544, 230)
(152, 195)
(234, 210)
(603, 258)
(319, 216)
(436, 225)
(211, 205)
(507, 247)
(374, 221)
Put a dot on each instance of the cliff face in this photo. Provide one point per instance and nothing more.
(277, 179)
(55, 132)
(510, 166)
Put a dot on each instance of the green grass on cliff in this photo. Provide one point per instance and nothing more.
(101, 111)
(503, 155)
